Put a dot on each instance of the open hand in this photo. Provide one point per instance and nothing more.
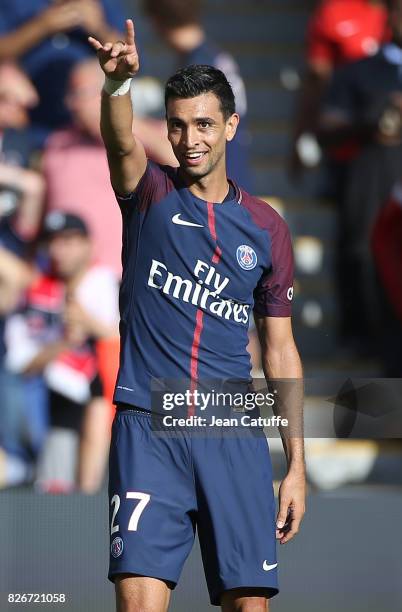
(119, 61)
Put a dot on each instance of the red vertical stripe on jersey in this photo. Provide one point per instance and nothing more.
(194, 356)
(199, 317)
(211, 220)
(217, 255)
(211, 224)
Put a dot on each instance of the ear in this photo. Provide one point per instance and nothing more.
(231, 126)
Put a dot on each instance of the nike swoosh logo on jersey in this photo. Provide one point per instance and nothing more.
(268, 568)
(176, 219)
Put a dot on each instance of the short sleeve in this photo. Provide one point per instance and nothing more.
(154, 184)
(274, 292)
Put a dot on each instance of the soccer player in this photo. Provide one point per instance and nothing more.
(198, 254)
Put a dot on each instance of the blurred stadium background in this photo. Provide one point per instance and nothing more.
(347, 555)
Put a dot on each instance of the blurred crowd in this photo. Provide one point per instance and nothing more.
(349, 118)
(60, 227)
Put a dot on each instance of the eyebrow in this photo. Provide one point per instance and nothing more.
(196, 120)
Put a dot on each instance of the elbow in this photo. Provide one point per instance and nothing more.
(124, 150)
(118, 151)
(117, 146)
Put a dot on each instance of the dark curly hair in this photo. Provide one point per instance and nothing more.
(199, 79)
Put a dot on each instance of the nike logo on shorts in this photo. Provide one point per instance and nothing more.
(268, 568)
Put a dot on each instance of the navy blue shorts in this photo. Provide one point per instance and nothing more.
(163, 488)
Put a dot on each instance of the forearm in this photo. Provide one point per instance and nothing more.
(116, 124)
(126, 157)
(18, 42)
(294, 451)
(283, 363)
(284, 367)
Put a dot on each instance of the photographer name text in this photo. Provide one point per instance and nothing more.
(243, 421)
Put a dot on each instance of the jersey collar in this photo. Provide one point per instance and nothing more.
(238, 192)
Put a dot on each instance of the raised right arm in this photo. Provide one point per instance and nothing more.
(126, 156)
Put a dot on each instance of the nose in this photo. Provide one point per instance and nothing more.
(191, 137)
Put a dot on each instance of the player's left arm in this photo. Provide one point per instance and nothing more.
(281, 362)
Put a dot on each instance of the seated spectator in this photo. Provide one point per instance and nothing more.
(47, 38)
(75, 165)
(54, 336)
(339, 32)
(178, 23)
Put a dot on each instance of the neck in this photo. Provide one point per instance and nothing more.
(186, 38)
(211, 188)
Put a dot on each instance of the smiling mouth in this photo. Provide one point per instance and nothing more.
(193, 159)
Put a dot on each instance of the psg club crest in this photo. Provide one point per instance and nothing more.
(116, 547)
(246, 257)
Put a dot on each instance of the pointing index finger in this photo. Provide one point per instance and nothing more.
(95, 43)
(130, 32)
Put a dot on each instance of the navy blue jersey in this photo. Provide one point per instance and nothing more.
(192, 273)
